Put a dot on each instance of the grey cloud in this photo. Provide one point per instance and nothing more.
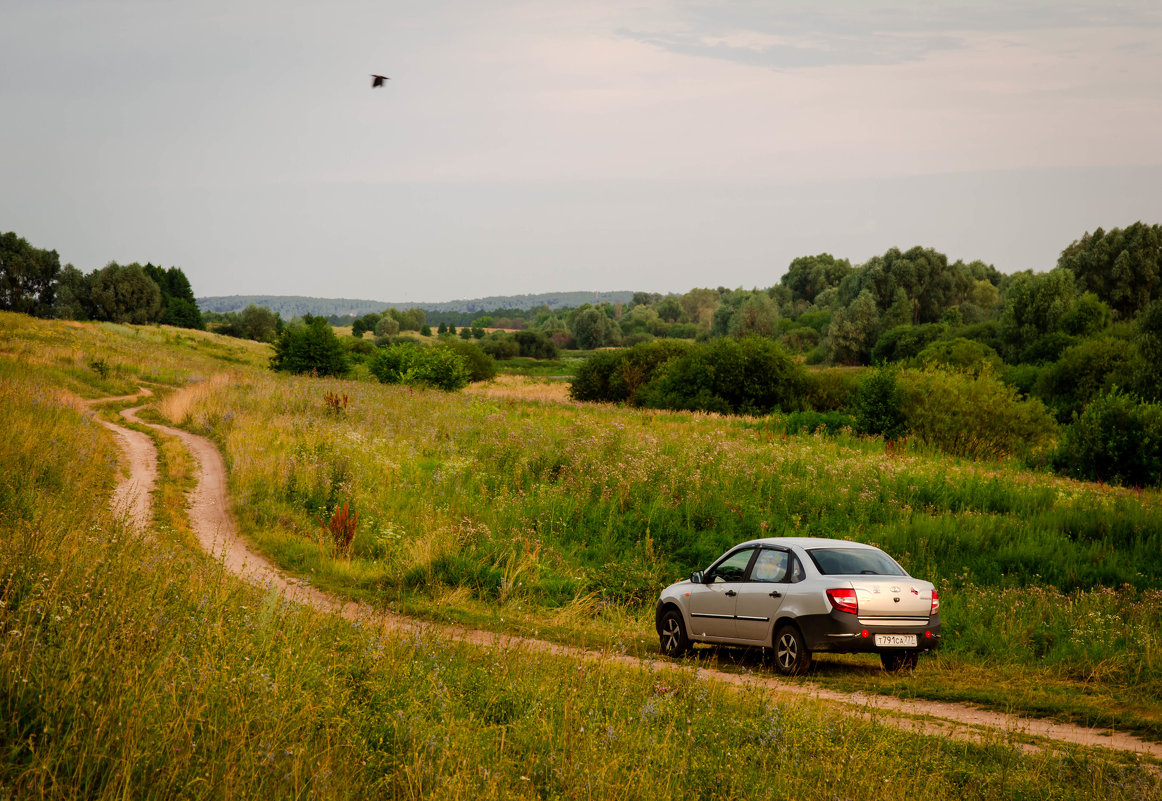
(855, 33)
(875, 49)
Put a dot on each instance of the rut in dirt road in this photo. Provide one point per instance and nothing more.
(209, 512)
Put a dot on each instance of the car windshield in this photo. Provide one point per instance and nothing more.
(854, 562)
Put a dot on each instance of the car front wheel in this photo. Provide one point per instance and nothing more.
(673, 634)
(791, 655)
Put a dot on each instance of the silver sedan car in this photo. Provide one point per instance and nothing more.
(798, 595)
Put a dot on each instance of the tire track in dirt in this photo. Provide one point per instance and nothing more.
(210, 517)
(133, 494)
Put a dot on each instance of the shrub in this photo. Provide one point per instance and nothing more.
(341, 528)
(829, 390)
(1116, 438)
(591, 382)
(500, 346)
(310, 347)
(878, 409)
(618, 376)
(800, 339)
(481, 366)
(1022, 377)
(974, 416)
(1084, 371)
(748, 376)
(535, 345)
(441, 368)
(1047, 348)
(960, 354)
(905, 341)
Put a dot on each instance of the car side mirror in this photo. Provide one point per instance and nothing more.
(696, 577)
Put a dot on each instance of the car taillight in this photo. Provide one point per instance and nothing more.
(935, 603)
(844, 600)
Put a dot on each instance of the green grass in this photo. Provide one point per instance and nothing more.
(565, 367)
(514, 516)
(135, 667)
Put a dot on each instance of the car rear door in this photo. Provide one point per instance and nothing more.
(760, 597)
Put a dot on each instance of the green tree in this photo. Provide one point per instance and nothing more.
(878, 405)
(1122, 267)
(388, 326)
(1035, 304)
(592, 328)
(699, 306)
(310, 346)
(922, 277)
(670, 309)
(179, 306)
(854, 330)
(1116, 438)
(807, 276)
(73, 300)
(363, 324)
(1083, 372)
(28, 276)
(259, 323)
(1148, 351)
(756, 316)
(125, 294)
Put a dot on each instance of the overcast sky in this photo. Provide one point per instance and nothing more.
(523, 147)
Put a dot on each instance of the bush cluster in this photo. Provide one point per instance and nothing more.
(974, 416)
(1117, 438)
(441, 367)
(310, 347)
(745, 376)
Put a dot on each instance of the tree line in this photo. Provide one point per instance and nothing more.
(33, 281)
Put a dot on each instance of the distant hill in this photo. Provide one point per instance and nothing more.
(296, 305)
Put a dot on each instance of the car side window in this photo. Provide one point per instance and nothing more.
(733, 568)
(795, 574)
(769, 565)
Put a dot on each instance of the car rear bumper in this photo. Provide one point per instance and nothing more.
(842, 632)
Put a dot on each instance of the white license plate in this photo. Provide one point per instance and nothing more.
(895, 641)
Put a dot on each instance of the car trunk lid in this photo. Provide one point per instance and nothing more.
(892, 597)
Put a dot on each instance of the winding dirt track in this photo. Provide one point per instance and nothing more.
(210, 517)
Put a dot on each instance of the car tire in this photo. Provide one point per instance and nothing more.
(791, 655)
(899, 661)
(673, 634)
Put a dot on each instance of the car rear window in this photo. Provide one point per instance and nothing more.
(853, 562)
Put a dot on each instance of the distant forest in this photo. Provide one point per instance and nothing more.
(290, 306)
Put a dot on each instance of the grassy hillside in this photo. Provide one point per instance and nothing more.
(134, 667)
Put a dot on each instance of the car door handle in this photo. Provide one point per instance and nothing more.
(775, 594)
(731, 593)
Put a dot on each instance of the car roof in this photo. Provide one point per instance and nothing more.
(806, 543)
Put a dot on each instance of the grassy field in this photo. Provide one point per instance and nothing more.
(136, 667)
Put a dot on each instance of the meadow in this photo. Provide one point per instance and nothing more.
(134, 666)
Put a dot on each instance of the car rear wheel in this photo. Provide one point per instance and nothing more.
(791, 655)
(899, 661)
(673, 634)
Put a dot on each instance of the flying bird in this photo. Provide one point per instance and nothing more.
(377, 80)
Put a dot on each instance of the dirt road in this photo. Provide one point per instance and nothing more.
(209, 513)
